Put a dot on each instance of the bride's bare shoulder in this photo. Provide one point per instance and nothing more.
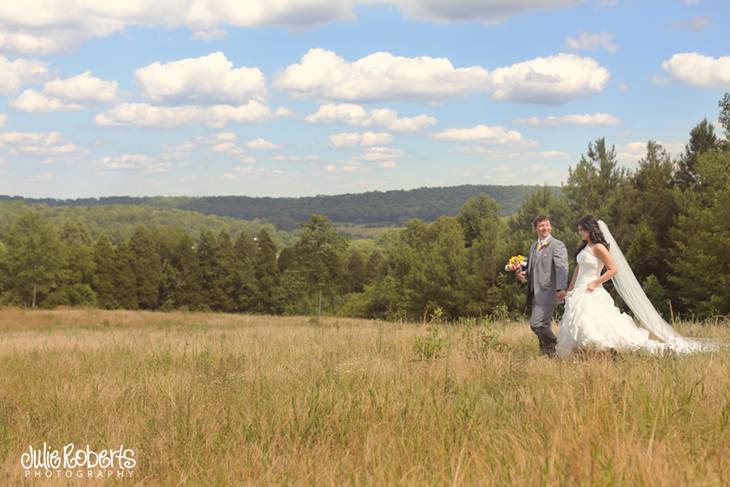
(599, 249)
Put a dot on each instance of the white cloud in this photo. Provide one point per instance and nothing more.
(67, 94)
(207, 79)
(20, 71)
(135, 162)
(296, 158)
(587, 41)
(575, 119)
(484, 134)
(375, 154)
(48, 26)
(484, 11)
(43, 144)
(553, 80)
(261, 144)
(3, 119)
(33, 101)
(634, 151)
(146, 115)
(502, 154)
(353, 114)
(699, 70)
(352, 139)
(382, 76)
(82, 87)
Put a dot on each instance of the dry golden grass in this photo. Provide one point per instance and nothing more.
(213, 399)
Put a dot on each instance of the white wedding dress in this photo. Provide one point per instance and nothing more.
(591, 320)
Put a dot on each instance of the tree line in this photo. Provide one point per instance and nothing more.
(381, 208)
(670, 216)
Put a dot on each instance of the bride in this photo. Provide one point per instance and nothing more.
(592, 321)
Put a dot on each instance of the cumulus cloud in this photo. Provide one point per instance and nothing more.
(382, 76)
(67, 94)
(699, 70)
(552, 80)
(48, 26)
(353, 114)
(3, 119)
(33, 101)
(379, 154)
(135, 162)
(634, 151)
(20, 71)
(574, 119)
(353, 139)
(206, 79)
(484, 11)
(43, 144)
(587, 41)
(483, 134)
(146, 115)
(261, 144)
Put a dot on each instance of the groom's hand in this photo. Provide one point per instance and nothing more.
(561, 295)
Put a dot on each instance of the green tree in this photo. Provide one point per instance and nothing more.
(484, 234)
(702, 139)
(188, 277)
(319, 255)
(125, 279)
(700, 265)
(34, 260)
(245, 270)
(103, 281)
(268, 284)
(593, 182)
(146, 266)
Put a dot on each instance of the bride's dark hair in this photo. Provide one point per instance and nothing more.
(595, 235)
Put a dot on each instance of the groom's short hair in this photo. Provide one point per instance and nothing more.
(539, 219)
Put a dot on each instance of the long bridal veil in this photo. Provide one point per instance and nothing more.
(633, 295)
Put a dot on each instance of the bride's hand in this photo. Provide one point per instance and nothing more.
(591, 287)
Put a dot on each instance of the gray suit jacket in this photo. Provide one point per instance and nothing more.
(547, 271)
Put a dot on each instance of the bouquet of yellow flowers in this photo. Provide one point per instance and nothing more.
(516, 263)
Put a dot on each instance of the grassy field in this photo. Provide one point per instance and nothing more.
(213, 399)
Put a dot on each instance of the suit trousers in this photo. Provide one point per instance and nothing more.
(540, 319)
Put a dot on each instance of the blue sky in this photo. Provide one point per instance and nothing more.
(217, 97)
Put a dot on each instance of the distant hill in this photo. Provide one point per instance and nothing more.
(119, 221)
(376, 208)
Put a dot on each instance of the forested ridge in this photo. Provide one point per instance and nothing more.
(386, 208)
(668, 215)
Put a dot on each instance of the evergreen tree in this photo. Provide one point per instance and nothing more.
(594, 180)
(103, 281)
(146, 266)
(229, 281)
(268, 292)
(702, 139)
(483, 237)
(244, 267)
(125, 279)
(700, 265)
(212, 281)
(188, 277)
(77, 286)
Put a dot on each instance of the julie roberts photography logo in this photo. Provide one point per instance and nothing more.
(77, 462)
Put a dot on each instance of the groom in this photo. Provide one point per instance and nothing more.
(547, 277)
